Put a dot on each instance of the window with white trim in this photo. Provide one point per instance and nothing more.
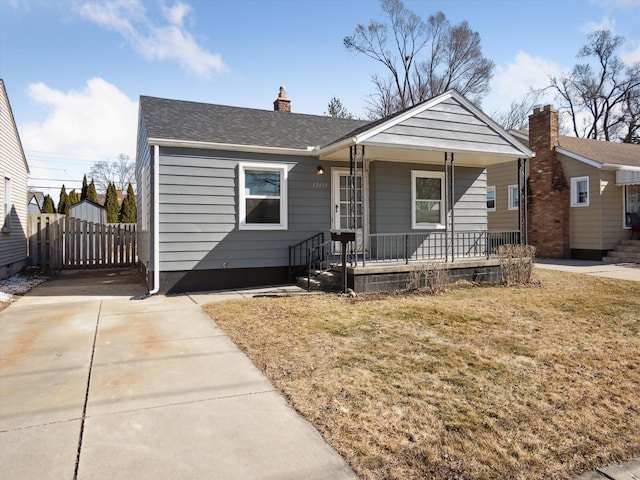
(427, 199)
(580, 191)
(6, 217)
(262, 202)
(514, 197)
(491, 199)
(631, 202)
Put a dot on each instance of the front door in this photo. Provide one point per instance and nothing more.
(341, 216)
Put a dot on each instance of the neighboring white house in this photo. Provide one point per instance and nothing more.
(35, 202)
(13, 192)
(89, 211)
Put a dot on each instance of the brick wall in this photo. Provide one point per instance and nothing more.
(548, 188)
(282, 105)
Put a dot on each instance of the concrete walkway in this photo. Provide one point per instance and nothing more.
(95, 385)
(621, 271)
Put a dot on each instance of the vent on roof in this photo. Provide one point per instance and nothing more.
(282, 104)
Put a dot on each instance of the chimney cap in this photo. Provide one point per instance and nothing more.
(282, 92)
(546, 109)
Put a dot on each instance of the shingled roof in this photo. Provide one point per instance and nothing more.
(612, 153)
(600, 151)
(202, 122)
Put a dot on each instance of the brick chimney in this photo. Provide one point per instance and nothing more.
(548, 189)
(282, 104)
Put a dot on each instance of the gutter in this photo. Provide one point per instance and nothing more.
(309, 151)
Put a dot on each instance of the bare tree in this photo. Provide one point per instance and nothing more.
(120, 172)
(423, 59)
(601, 95)
(516, 117)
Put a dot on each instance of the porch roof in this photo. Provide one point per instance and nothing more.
(446, 123)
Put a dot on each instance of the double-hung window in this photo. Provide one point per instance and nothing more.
(262, 196)
(514, 197)
(427, 199)
(491, 199)
(580, 192)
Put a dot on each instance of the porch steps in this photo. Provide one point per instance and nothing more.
(627, 251)
(322, 280)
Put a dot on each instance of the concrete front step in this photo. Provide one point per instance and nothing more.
(630, 243)
(321, 281)
(627, 248)
(622, 257)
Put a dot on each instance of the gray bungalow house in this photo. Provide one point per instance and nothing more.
(13, 192)
(234, 197)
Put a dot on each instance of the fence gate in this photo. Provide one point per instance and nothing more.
(57, 242)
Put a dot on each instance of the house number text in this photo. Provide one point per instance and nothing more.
(320, 185)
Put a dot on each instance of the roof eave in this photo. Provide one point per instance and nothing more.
(442, 149)
(580, 158)
(165, 142)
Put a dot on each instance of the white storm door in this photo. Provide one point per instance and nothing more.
(341, 218)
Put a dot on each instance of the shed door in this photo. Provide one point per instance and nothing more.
(340, 201)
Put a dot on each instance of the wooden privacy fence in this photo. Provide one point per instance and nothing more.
(59, 242)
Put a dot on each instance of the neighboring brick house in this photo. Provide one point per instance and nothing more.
(578, 191)
(13, 192)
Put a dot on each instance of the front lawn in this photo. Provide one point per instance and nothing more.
(479, 383)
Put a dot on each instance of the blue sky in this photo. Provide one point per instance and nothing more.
(74, 70)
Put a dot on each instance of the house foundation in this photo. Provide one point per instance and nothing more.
(384, 278)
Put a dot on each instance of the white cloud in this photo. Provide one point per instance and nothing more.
(80, 128)
(177, 13)
(605, 24)
(631, 56)
(154, 41)
(524, 73)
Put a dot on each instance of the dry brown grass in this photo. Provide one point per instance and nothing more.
(479, 383)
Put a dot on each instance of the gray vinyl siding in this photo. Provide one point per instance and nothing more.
(447, 126)
(144, 198)
(89, 212)
(390, 197)
(199, 211)
(13, 241)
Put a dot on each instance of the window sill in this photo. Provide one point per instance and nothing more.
(430, 226)
(268, 227)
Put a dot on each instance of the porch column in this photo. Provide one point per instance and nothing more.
(449, 202)
(355, 196)
(523, 210)
(446, 208)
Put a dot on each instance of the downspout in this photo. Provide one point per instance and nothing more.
(156, 224)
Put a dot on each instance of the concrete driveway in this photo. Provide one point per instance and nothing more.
(94, 385)
(620, 271)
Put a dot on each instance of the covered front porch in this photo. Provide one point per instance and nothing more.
(415, 189)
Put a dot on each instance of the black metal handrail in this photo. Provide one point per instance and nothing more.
(299, 253)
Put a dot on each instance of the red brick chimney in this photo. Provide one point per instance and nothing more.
(282, 104)
(548, 189)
